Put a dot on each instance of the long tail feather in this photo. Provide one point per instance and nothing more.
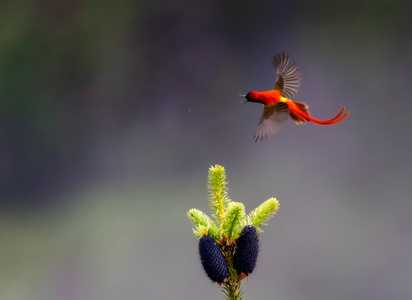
(302, 115)
(332, 121)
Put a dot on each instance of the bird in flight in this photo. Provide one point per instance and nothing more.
(278, 104)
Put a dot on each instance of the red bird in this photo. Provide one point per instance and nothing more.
(278, 104)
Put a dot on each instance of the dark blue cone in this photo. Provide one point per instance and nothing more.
(212, 259)
(246, 251)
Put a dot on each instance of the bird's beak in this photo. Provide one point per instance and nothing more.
(243, 101)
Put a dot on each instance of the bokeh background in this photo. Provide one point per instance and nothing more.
(111, 113)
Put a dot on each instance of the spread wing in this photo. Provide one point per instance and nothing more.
(272, 119)
(287, 78)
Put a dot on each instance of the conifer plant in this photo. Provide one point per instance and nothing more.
(229, 241)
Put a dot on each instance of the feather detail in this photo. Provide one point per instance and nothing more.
(287, 78)
(295, 117)
(271, 121)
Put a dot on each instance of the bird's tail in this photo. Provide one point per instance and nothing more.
(300, 115)
(299, 119)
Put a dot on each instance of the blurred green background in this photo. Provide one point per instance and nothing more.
(111, 113)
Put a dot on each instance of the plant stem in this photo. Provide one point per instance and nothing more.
(232, 288)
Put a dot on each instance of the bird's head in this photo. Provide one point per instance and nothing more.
(252, 97)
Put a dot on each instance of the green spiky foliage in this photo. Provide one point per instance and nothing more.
(203, 224)
(261, 214)
(218, 197)
(234, 220)
(229, 218)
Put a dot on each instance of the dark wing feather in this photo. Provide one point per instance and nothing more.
(287, 78)
(272, 119)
